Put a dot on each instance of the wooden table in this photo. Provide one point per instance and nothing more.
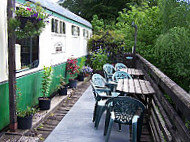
(138, 87)
(135, 73)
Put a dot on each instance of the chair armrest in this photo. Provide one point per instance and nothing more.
(104, 89)
(111, 83)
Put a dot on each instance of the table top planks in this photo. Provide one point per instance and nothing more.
(133, 72)
(135, 86)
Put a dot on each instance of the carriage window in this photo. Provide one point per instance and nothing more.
(75, 30)
(28, 54)
(61, 27)
(52, 25)
(85, 33)
(56, 26)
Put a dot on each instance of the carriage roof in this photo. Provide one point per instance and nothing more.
(54, 7)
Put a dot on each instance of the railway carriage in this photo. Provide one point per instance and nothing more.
(66, 34)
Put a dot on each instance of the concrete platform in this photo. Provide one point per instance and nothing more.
(77, 125)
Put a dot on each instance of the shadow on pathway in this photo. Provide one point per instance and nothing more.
(77, 125)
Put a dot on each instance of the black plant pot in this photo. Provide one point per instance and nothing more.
(24, 122)
(73, 83)
(44, 103)
(24, 20)
(62, 91)
(80, 77)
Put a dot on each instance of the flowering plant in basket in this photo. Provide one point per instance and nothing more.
(87, 70)
(29, 21)
(72, 67)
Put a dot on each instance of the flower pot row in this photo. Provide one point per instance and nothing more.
(25, 122)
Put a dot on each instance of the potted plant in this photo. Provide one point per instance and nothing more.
(30, 20)
(45, 101)
(81, 73)
(73, 70)
(24, 116)
(62, 88)
(87, 71)
(98, 59)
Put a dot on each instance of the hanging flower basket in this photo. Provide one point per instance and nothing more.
(24, 20)
(29, 21)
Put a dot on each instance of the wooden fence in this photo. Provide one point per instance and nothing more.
(167, 120)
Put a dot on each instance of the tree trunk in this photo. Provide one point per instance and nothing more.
(11, 62)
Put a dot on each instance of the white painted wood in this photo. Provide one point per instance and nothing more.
(3, 41)
(71, 45)
(17, 56)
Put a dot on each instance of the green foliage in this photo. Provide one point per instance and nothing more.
(91, 41)
(97, 24)
(105, 9)
(82, 63)
(147, 21)
(46, 80)
(26, 112)
(98, 59)
(29, 21)
(62, 82)
(174, 14)
(162, 38)
(172, 54)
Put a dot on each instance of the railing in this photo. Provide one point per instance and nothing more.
(167, 121)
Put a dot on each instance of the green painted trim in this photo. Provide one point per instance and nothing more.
(60, 16)
(30, 86)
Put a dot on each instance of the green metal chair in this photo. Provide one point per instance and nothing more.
(108, 71)
(120, 75)
(124, 110)
(101, 94)
(119, 66)
(99, 82)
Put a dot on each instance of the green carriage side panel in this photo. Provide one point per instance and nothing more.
(30, 87)
(57, 71)
(4, 105)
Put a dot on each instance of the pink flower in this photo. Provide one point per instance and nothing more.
(28, 9)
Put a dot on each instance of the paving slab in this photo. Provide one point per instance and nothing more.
(77, 125)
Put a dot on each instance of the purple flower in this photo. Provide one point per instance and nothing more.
(39, 19)
(34, 15)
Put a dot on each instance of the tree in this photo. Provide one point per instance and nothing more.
(174, 13)
(105, 9)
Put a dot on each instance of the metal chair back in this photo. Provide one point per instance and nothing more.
(119, 66)
(125, 110)
(108, 71)
(98, 80)
(120, 75)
